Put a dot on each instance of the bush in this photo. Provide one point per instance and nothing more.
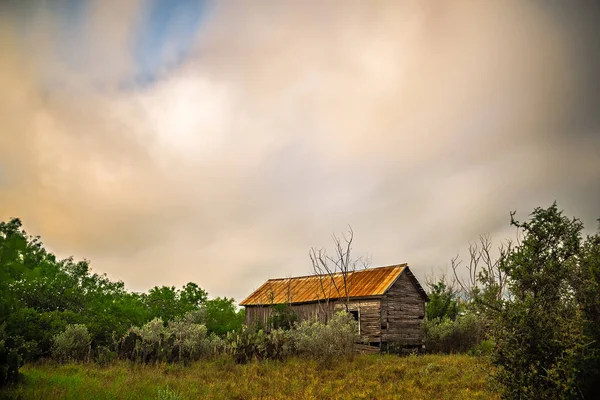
(73, 344)
(325, 342)
(283, 317)
(181, 340)
(189, 339)
(215, 345)
(448, 336)
(153, 345)
(247, 344)
(485, 348)
(10, 361)
(105, 355)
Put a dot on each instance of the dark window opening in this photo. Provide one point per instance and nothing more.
(421, 316)
(354, 315)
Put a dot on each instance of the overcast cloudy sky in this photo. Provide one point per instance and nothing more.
(176, 141)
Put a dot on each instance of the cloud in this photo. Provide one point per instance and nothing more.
(421, 124)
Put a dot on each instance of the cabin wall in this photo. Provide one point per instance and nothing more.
(369, 314)
(261, 314)
(402, 313)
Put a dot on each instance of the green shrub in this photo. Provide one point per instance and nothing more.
(10, 361)
(485, 348)
(105, 356)
(189, 339)
(216, 345)
(282, 317)
(153, 345)
(458, 336)
(73, 344)
(182, 340)
(443, 301)
(247, 344)
(325, 342)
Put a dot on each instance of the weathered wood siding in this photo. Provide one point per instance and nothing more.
(261, 314)
(368, 311)
(402, 313)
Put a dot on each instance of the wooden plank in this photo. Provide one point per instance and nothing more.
(366, 349)
(402, 312)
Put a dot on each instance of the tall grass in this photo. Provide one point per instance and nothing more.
(365, 377)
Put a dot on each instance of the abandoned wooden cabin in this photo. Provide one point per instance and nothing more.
(388, 302)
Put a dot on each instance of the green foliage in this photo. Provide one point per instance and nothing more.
(41, 295)
(322, 342)
(442, 301)
(246, 344)
(105, 356)
(181, 340)
(189, 338)
(485, 348)
(586, 283)
(10, 360)
(453, 336)
(283, 316)
(222, 316)
(327, 342)
(167, 302)
(545, 330)
(153, 345)
(73, 344)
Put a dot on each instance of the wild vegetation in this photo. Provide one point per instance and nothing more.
(365, 377)
(535, 308)
(46, 303)
(527, 314)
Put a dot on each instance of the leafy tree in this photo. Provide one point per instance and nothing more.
(442, 301)
(168, 303)
(586, 282)
(540, 329)
(192, 296)
(162, 302)
(222, 316)
(40, 295)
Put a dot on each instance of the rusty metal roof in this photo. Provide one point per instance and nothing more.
(304, 289)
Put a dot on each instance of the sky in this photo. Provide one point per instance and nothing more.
(217, 142)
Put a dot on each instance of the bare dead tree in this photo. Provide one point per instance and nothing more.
(449, 282)
(323, 273)
(341, 264)
(483, 272)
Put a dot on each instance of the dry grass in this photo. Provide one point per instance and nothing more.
(365, 377)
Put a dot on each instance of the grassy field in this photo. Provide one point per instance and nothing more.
(365, 377)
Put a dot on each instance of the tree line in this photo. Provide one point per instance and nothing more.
(40, 295)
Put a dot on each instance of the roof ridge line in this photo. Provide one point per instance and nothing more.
(337, 273)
